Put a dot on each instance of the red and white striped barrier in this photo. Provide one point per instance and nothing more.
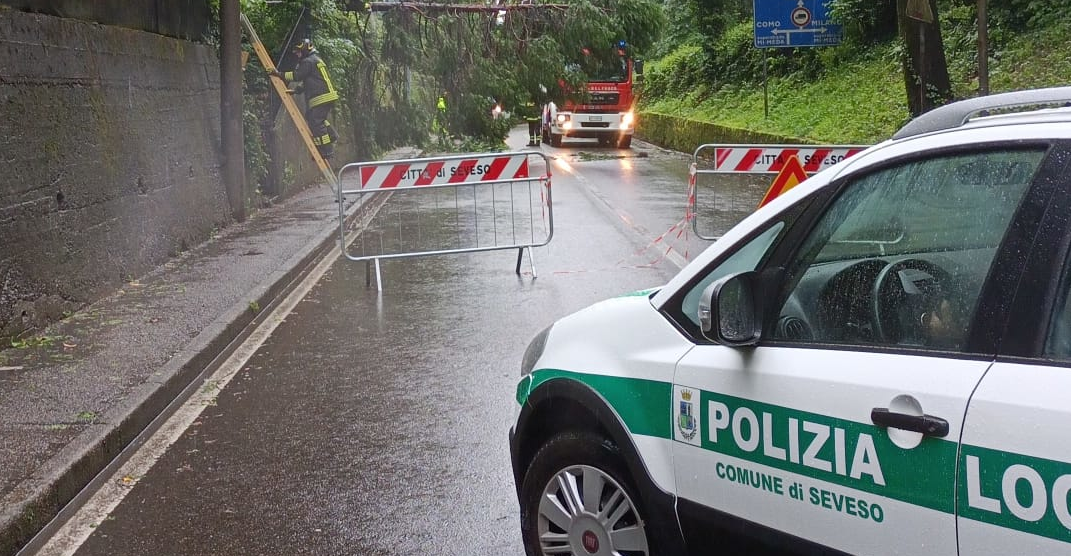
(770, 159)
(413, 173)
(501, 206)
(791, 163)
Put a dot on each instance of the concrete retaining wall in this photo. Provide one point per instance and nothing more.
(110, 145)
(680, 134)
(186, 19)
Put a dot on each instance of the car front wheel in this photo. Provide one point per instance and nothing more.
(576, 499)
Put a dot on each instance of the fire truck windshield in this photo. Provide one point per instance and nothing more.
(603, 68)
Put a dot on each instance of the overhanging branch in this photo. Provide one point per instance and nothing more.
(436, 8)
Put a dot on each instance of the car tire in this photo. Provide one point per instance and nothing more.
(555, 139)
(560, 515)
(624, 142)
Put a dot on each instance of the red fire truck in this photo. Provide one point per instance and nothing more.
(605, 109)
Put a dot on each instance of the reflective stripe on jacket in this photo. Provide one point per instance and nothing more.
(311, 71)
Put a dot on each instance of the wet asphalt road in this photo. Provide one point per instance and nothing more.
(375, 423)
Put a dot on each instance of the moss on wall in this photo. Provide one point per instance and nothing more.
(112, 137)
(680, 134)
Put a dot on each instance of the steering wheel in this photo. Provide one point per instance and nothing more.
(905, 296)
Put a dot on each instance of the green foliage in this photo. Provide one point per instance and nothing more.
(33, 342)
(676, 73)
(1038, 57)
(477, 61)
(1022, 15)
(852, 93)
(865, 21)
(639, 22)
(256, 156)
(391, 67)
(714, 17)
(862, 102)
(959, 31)
(680, 29)
(733, 56)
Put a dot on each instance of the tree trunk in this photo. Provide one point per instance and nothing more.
(925, 68)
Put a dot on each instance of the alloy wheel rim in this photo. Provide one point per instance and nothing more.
(585, 512)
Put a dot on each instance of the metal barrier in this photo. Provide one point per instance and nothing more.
(751, 159)
(449, 204)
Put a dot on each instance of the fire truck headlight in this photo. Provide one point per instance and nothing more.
(628, 120)
(562, 118)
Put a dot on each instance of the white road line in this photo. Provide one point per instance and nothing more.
(74, 533)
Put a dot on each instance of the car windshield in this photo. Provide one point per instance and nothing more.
(951, 203)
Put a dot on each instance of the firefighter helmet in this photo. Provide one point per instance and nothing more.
(304, 47)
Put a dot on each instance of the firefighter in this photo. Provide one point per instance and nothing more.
(531, 115)
(320, 95)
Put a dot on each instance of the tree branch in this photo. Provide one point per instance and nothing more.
(437, 8)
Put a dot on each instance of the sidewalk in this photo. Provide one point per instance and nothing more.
(71, 404)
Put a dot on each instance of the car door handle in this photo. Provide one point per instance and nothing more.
(926, 424)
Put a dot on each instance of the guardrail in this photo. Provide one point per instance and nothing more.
(449, 204)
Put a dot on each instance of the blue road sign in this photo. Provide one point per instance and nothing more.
(795, 23)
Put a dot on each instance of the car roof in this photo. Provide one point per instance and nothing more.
(991, 110)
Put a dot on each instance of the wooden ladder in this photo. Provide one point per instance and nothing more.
(291, 106)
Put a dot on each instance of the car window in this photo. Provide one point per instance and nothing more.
(1058, 344)
(746, 257)
(900, 256)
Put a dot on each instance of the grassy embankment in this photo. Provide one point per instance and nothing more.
(862, 101)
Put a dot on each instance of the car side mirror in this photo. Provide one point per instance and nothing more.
(730, 311)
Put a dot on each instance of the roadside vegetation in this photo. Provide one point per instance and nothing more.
(391, 66)
(706, 67)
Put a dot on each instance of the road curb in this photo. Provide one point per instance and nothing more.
(35, 502)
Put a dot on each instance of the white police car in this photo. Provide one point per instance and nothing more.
(877, 362)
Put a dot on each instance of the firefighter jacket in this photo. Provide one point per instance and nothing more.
(311, 71)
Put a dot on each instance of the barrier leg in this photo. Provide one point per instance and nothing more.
(531, 261)
(379, 278)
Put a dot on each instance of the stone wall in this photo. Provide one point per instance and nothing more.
(185, 19)
(110, 145)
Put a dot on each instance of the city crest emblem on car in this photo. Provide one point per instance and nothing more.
(686, 418)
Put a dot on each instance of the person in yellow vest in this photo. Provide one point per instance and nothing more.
(439, 123)
(320, 95)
